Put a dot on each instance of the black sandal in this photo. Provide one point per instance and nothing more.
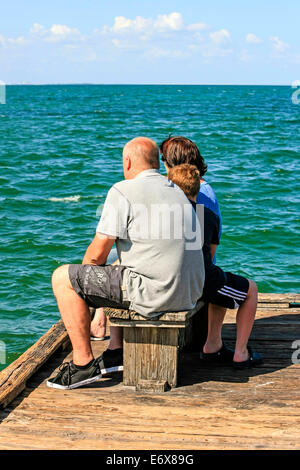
(254, 359)
(223, 356)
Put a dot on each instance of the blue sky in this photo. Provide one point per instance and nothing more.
(138, 41)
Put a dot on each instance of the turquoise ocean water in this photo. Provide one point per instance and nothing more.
(60, 151)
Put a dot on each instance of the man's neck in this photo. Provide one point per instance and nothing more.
(137, 172)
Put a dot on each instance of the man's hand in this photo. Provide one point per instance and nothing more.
(98, 250)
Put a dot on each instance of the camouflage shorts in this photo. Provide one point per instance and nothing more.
(99, 286)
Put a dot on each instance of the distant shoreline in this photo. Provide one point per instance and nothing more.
(148, 84)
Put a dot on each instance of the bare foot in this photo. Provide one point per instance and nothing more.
(241, 356)
(210, 348)
(98, 331)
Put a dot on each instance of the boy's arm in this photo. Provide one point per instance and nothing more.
(213, 249)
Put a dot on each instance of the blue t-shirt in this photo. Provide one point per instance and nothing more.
(207, 197)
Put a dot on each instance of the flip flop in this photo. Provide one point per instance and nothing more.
(254, 359)
(223, 356)
(98, 338)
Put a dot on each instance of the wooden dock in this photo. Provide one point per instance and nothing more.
(212, 408)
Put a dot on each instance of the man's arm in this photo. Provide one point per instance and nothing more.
(98, 250)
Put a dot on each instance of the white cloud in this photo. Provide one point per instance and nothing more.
(279, 46)
(163, 36)
(253, 39)
(37, 29)
(220, 37)
(173, 22)
(56, 33)
(61, 32)
(162, 23)
(123, 24)
(19, 41)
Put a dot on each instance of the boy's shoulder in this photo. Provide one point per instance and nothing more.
(211, 215)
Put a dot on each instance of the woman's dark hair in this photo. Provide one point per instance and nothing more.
(178, 150)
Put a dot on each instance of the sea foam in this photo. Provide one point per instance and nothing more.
(65, 199)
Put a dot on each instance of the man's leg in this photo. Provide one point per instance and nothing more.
(98, 329)
(116, 337)
(244, 323)
(216, 316)
(75, 315)
(98, 325)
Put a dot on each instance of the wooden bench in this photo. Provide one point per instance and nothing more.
(151, 346)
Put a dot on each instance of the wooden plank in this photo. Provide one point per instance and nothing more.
(279, 298)
(274, 305)
(181, 316)
(267, 315)
(267, 331)
(152, 386)
(130, 356)
(145, 324)
(14, 377)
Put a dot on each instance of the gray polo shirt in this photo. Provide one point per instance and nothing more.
(158, 239)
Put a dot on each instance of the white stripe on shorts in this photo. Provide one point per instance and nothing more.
(232, 293)
(235, 291)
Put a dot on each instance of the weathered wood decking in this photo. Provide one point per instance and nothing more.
(212, 408)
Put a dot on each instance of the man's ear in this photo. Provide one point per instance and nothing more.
(127, 163)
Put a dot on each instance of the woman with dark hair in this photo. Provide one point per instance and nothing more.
(178, 150)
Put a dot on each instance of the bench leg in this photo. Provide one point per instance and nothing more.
(150, 357)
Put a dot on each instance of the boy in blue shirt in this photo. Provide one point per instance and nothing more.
(222, 290)
(177, 150)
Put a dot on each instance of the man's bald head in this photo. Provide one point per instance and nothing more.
(140, 154)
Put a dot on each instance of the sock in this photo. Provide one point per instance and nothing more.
(113, 352)
(84, 367)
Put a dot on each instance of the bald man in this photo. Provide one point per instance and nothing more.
(159, 270)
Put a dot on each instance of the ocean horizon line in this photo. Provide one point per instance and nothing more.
(147, 84)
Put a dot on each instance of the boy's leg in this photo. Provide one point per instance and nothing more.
(244, 323)
(216, 316)
(241, 293)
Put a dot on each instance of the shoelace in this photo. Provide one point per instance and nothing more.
(65, 366)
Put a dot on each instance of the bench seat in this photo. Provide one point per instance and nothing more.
(150, 346)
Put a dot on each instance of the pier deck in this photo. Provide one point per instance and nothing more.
(212, 408)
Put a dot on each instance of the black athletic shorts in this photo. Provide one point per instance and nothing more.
(231, 295)
(99, 286)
